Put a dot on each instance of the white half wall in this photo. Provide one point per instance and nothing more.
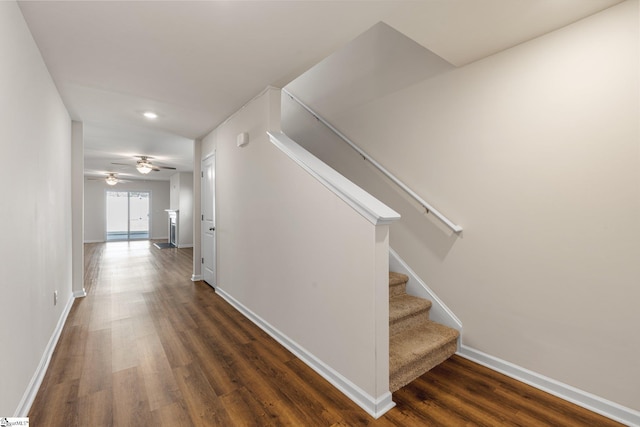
(534, 151)
(95, 209)
(35, 145)
(299, 261)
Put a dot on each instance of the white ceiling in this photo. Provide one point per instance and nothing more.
(195, 63)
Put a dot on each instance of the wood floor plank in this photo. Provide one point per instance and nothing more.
(516, 398)
(204, 406)
(270, 396)
(298, 395)
(176, 353)
(68, 362)
(123, 345)
(222, 379)
(461, 401)
(427, 410)
(173, 415)
(244, 410)
(480, 391)
(160, 385)
(130, 405)
(95, 409)
(148, 346)
(58, 407)
(97, 355)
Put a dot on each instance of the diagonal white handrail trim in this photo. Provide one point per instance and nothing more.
(364, 203)
(430, 209)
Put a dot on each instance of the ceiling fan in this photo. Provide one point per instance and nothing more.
(145, 166)
(110, 179)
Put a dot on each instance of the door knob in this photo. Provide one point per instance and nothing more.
(212, 228)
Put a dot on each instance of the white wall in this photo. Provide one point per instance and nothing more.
(186, 210)
(181, 199)
(95, 207)
(535, 152)
(174, 192)
(197, 255)
(35, 145)
(77, 203)
(295, 255)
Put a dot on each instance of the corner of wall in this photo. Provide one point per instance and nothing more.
(275, 110)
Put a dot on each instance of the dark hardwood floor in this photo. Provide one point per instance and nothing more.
(148, 347)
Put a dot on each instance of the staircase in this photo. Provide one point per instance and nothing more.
(416, 344)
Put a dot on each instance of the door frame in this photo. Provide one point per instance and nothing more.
(205, 233)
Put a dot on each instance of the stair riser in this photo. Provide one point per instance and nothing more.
(395, 290)
(407, 322)
(408, 373)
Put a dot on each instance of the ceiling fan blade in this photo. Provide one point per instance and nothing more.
(153, 167)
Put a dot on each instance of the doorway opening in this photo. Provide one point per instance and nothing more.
(127, 215)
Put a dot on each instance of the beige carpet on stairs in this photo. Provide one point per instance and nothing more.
(416, 344)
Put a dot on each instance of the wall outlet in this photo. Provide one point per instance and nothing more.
(55, 297)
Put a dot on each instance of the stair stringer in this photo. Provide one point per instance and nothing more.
(439, 312)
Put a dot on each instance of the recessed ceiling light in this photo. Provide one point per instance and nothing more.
(150, 115)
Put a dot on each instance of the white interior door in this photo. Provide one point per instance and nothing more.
(208, 217)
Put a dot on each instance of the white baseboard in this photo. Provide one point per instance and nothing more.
(185, 246)
(196, 278)
(34, 385)
(80, 294)
(374, 407)
(569, 393)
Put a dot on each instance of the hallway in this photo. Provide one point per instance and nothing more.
(148, 347)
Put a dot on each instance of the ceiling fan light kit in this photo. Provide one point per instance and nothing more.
(111, 179)
(144, 167)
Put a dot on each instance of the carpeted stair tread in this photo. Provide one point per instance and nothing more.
(407, 305)
(415, 350)
(397, 278)
(416, 344)
(397, 284)
(418, 341)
